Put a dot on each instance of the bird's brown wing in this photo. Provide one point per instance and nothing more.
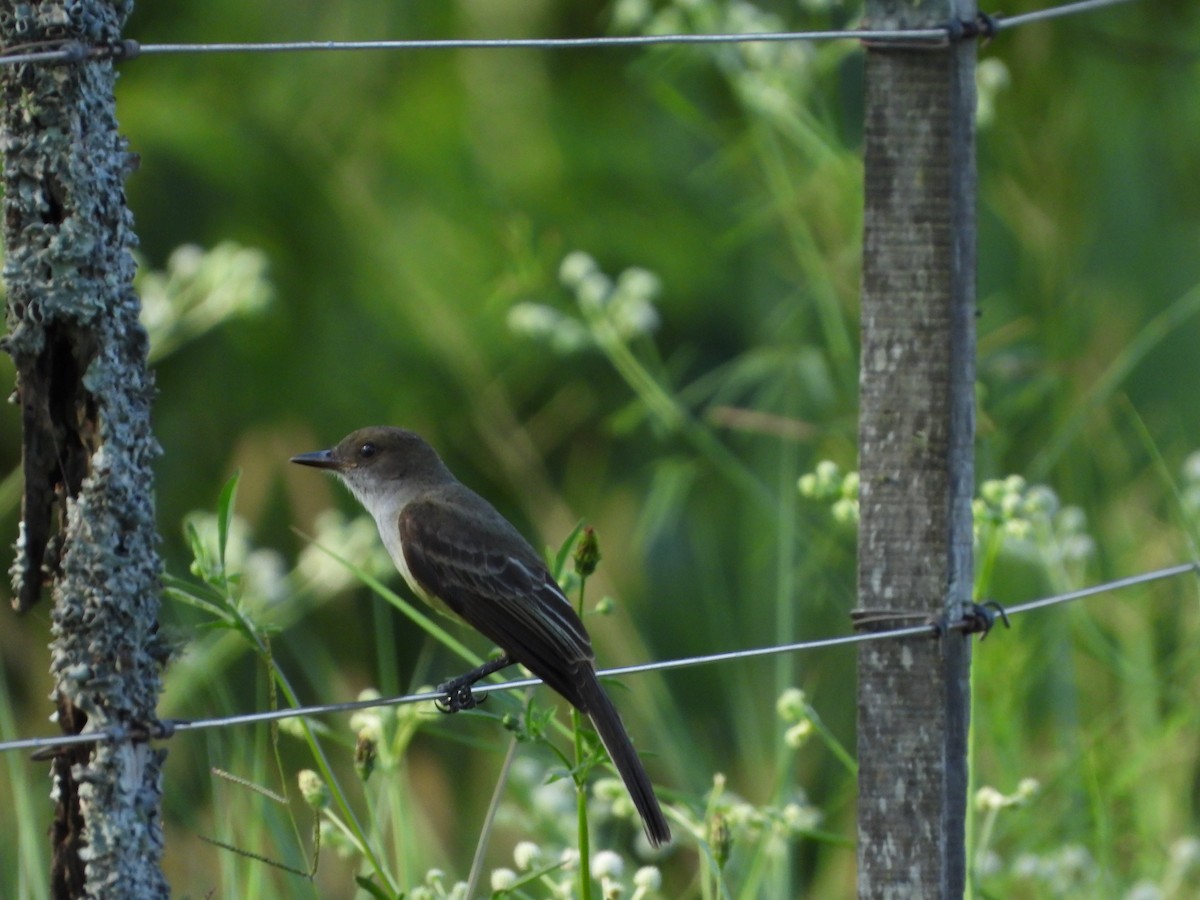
(497, 584)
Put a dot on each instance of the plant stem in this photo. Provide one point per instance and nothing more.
(583, 570)
(585, 864)
(350, 820)
(490, 820)
(663, 407)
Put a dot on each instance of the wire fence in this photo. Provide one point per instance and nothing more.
(165, 729)
(982, 26)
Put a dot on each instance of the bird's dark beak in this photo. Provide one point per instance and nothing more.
(319, 459)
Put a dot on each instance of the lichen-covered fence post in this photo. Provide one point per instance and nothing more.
(84, 392)
(916, 433)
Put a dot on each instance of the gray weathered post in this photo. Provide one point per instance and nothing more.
(916, 433)
(84, 393)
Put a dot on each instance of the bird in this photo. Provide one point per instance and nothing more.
(459, 555)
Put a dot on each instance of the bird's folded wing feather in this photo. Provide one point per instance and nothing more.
(500, 588)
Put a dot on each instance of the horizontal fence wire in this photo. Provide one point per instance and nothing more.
(1053, 12)
(930, 629)
(941, 35)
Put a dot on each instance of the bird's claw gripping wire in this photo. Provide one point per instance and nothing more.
(458, 695)
(457, 691)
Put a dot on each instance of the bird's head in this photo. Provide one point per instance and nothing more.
(379, 458)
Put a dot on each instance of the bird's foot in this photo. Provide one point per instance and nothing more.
(457, 695)
(457, 691)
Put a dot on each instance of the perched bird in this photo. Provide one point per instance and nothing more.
(457, 553)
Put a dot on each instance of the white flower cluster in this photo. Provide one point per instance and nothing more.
(200, 290)
(1032, 522)
(623, 308)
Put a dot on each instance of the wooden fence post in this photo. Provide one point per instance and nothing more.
(916, 433)
(87, 529)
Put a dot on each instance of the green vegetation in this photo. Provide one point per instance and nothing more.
(621, 286)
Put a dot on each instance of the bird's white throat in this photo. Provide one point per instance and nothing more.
(385, 500)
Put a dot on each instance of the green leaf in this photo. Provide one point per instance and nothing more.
(201, 565)
(225, 514)
(531, 878)
(560, 558)
(183, 592)
(375, 890)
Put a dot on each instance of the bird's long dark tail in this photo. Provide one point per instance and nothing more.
(616, 741)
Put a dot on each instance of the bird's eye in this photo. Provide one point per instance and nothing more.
(367, 450)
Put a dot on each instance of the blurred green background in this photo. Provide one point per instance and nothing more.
(403, 218)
